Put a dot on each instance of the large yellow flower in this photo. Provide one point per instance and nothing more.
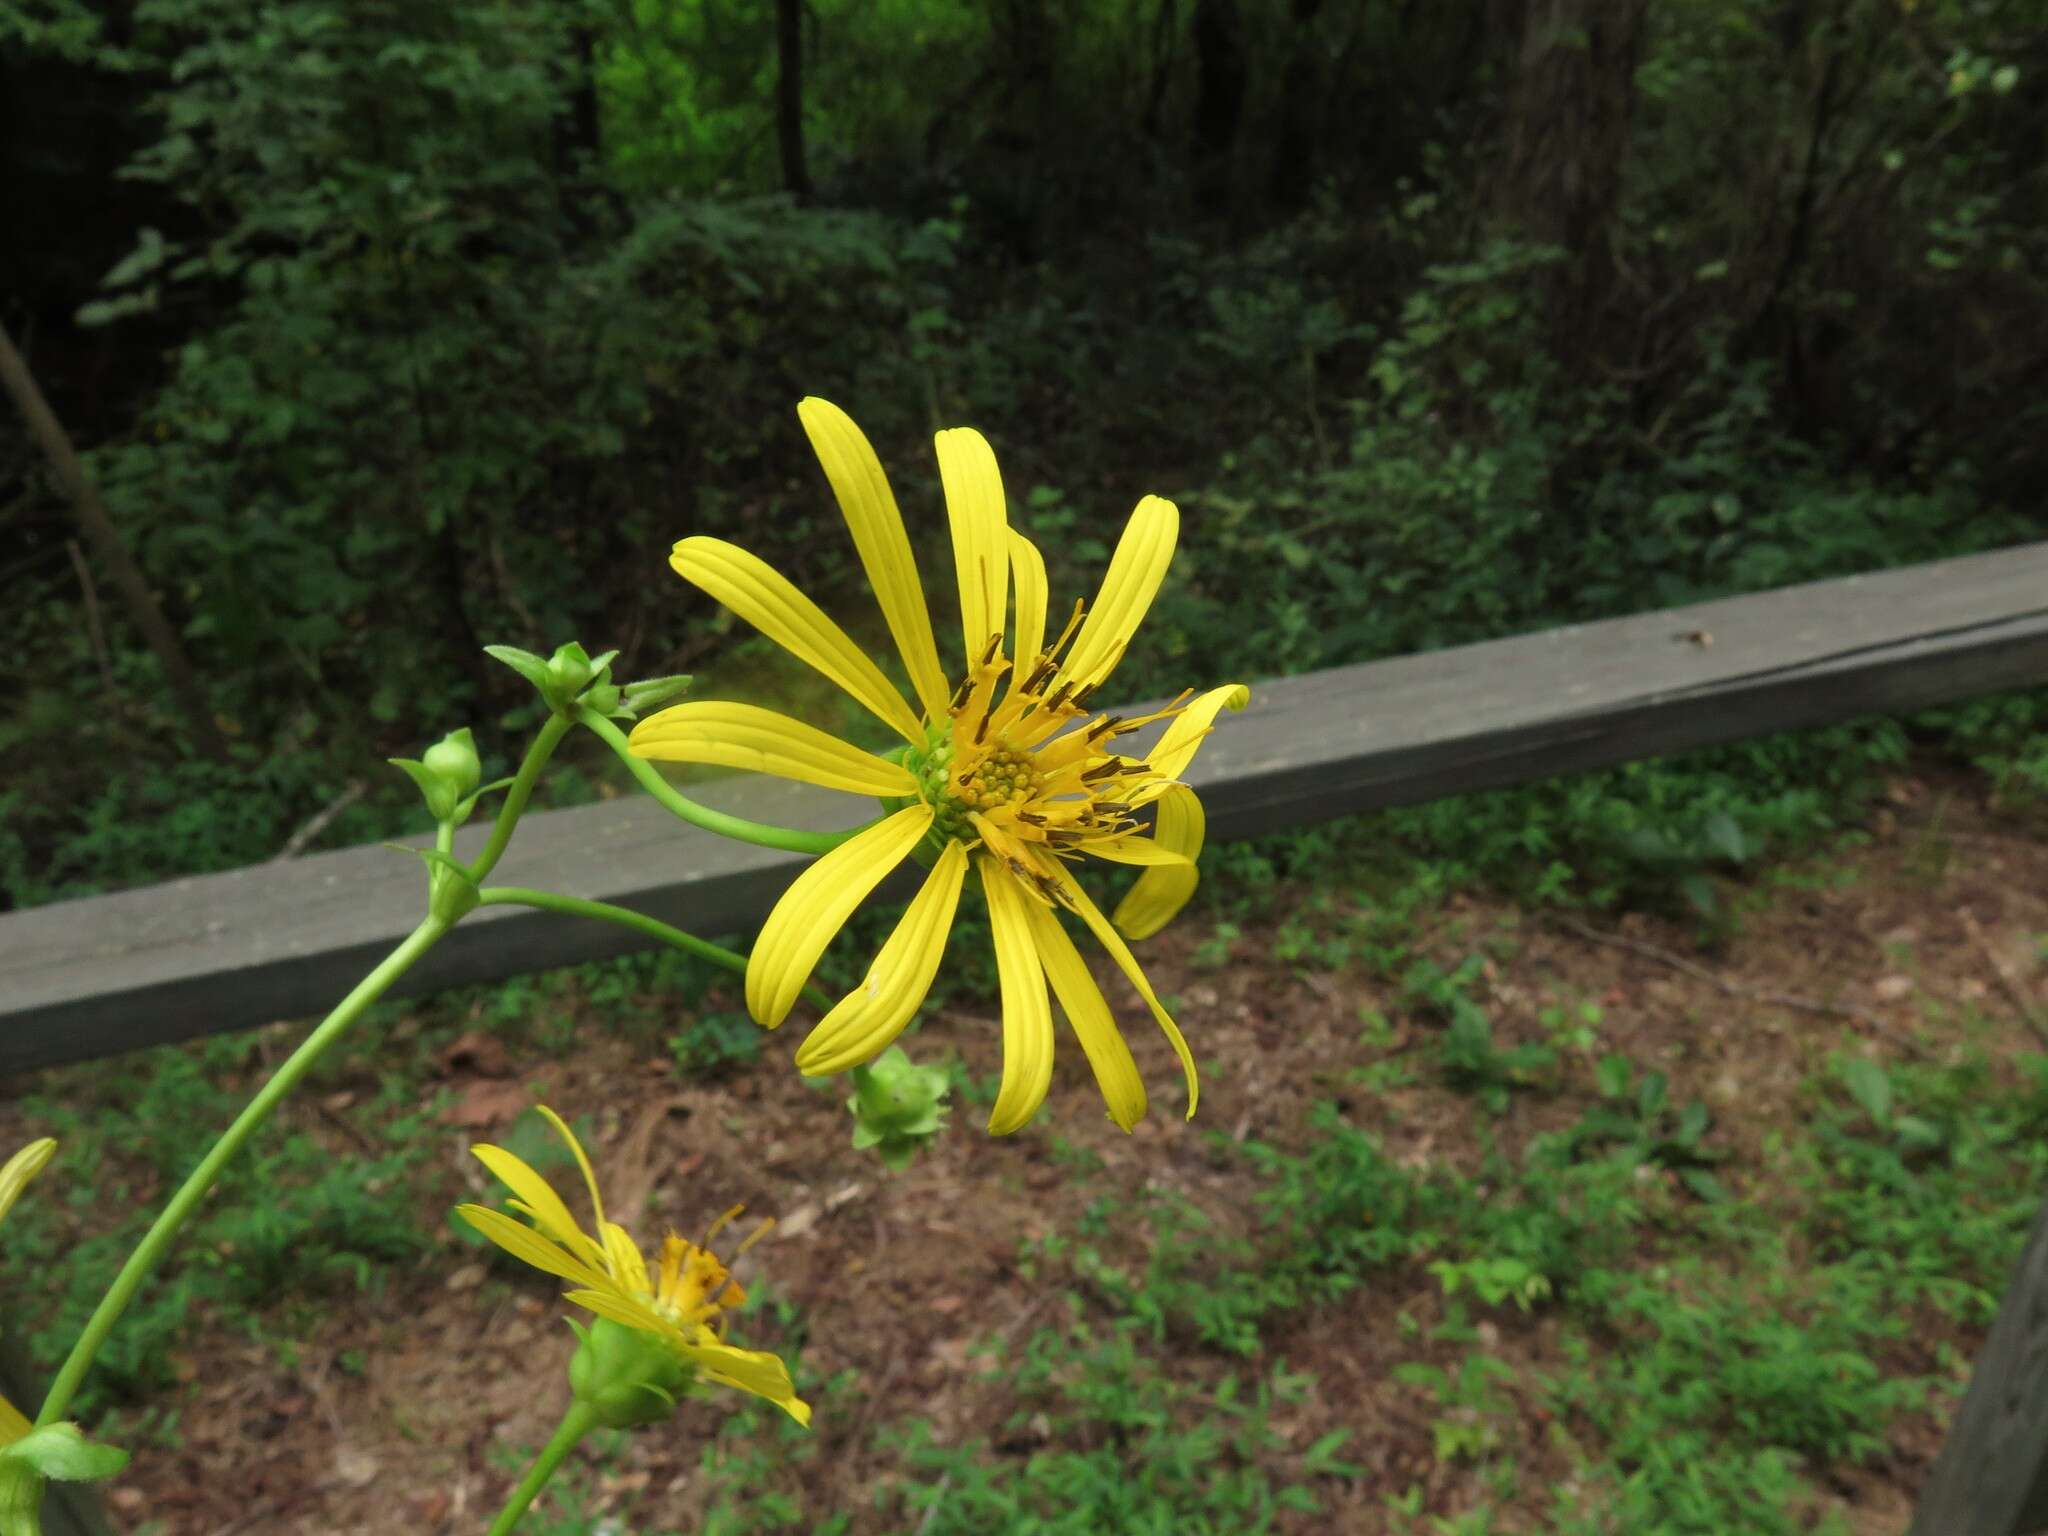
(682, 1304)
(1006, 770)
(14, 1177)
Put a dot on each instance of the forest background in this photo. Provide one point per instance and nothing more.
(393, 330)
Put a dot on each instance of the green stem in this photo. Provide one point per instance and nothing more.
(736, 827)
(200, 1180)
(544, 743)
(579, 1421)
(625, 917)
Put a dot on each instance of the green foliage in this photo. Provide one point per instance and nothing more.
(1127, 1448)
(291, 1223)
(713, 1044)
(1466, 1052)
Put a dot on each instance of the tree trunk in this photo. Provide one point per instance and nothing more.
(789, 95)
(1219, 99)
(1565, 144)
(1294, 149)
(99, 529)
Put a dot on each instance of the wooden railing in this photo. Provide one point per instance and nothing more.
(86, 979)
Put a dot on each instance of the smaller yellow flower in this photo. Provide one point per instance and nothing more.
(14, 1177)
(681, 1306)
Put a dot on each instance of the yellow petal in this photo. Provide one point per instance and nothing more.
(23, 1166)
(981, 547)
(751, 1370)
(873, 1014)
(528, 1246)
(13, 1423)
(766, 599)
(1116, 1074)
(817, 905)
(1162, 891)
(1172, 753)
(877, 527)
(622, 1256)
(1120, 952)
(629, 1310)
(1027, 570)
(1135, 572)
(1133, 849)
(1027, 1015)
(576, 1147)
(538, 1198)
(761, 741)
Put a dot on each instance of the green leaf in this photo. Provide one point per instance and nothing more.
(525, 663)
(1650, 1094)
(1870, 1086)
(1724, 836)
(61, 1452)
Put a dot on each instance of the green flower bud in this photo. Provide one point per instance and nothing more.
(563, 677)
(627, 1377)
(650, 693)
(446, 774)
(897, 1106)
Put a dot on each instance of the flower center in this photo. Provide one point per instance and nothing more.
(1022, 774)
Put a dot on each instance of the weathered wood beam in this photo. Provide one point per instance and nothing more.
(1991, 1478)
(85, 979)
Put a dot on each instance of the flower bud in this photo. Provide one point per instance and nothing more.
(650, 693)
(627, 1377)
(447, 772)
(563, 677)
(897, 1106)
(453, 758)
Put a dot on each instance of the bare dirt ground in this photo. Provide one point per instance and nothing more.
(1904, 947)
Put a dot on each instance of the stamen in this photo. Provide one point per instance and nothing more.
(719, 1226)
(1040, 674)
(1073, 625)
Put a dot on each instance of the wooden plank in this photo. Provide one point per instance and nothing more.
(1991, 1478)
(84, 979)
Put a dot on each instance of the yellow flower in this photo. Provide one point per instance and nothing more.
(682, 1305)
(14, 1177)
(1006, 770)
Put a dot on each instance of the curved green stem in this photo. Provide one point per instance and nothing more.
(737, 827)
(200, 1180)
(626, 917)
(543, 747)
(579, 1421)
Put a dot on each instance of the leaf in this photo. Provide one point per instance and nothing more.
(1724, 836)
(1650, 1095)
(525, 663)
(61, 1452)
(1870, 1086)
(1692, 1123)
(1703, 1184)
(1612, 1076)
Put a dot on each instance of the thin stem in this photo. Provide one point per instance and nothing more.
(544, 743)
(200, 1180)
(625, 917)
(736, 827)
(579, 1421)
